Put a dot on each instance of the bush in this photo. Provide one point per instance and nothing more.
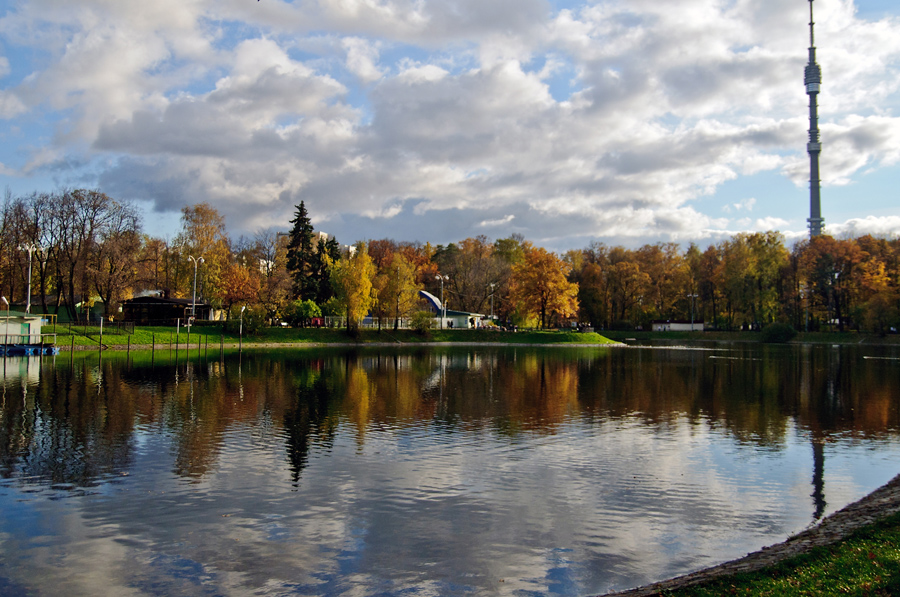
(254, 320)
(778, 333)
(299, 313)
(333, 308)
(422, 322)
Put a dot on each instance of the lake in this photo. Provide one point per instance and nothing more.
(427, 471)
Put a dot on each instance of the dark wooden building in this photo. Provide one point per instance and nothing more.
(156, 310)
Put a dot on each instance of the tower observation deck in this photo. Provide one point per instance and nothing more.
(813, 80)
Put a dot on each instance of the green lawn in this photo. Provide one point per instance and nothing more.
(867, 563)
(214, 334)
(801, 338)
(90, 337)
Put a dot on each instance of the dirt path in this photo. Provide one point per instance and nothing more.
(880, 503)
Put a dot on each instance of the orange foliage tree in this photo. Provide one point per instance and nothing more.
(540, 286)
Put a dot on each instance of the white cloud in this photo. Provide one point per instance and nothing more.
(11, 106)
(362, 59)
(392, 109)
(747, 204)
(885, 226)
(498, 222)
(770, 223)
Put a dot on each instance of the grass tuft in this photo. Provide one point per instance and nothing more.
(865, 564)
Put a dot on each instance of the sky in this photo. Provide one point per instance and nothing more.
(625, 122)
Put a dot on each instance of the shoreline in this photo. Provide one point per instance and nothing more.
(834, 528)
(261, 345)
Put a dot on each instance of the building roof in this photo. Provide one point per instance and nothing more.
(434, 301)
(158, 300)
(4, 313)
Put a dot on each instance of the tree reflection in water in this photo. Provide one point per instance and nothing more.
(443, 425)
(71, 428)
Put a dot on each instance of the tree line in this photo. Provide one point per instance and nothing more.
(88, 246)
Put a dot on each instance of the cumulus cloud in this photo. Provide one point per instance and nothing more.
(884, 226)
(565, 124)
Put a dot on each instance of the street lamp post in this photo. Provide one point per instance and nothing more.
(492, 301)
(241, 332)
(31, 248)
(6, 332)
(194, 300)
(692, 297)
(443, 307)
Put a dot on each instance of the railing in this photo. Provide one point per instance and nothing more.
(386, 323)
(107, 327)
(13, 343)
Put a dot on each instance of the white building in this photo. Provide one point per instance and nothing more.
(20, 328)
(677, 326)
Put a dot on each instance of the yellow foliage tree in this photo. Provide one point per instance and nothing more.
(396, 288)
(203, 235)
(351, 279)
(539, 285)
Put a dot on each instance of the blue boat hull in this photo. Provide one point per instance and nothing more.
(27, 350)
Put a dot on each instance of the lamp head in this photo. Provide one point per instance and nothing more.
(3, 298)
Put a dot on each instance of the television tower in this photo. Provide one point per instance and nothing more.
(813, 81)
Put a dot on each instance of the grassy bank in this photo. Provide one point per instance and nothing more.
(866, 563)
(801, 338)
(82, 338)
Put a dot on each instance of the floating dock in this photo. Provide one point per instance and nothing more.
(27, 350)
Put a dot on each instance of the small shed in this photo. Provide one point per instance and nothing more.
(157, 310)
(677, 326)
(17, 327)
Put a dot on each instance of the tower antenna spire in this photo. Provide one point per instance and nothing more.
(813, 80)
(812, 36)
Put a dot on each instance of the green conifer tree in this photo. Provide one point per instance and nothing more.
(301, 256)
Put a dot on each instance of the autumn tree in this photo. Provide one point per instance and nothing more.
(879, 301)
(592, 294)
(327, 252)
(709, 283)
(396, 288)
(22, 225)
(239, 285)
(351, 279)
(269, 249)
(588, 270)
(769, 260)
(113, 261)
(80, 216)
(831, 270)
(627, 285)
(540, 287)
(474, 272)
(664, 265)
(419, 256)
(203, 234)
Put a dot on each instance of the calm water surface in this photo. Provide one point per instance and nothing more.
(471, 471)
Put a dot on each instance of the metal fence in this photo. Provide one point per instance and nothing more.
(95, 328)
(386, 323)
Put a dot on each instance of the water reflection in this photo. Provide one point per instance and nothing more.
(567, 471)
